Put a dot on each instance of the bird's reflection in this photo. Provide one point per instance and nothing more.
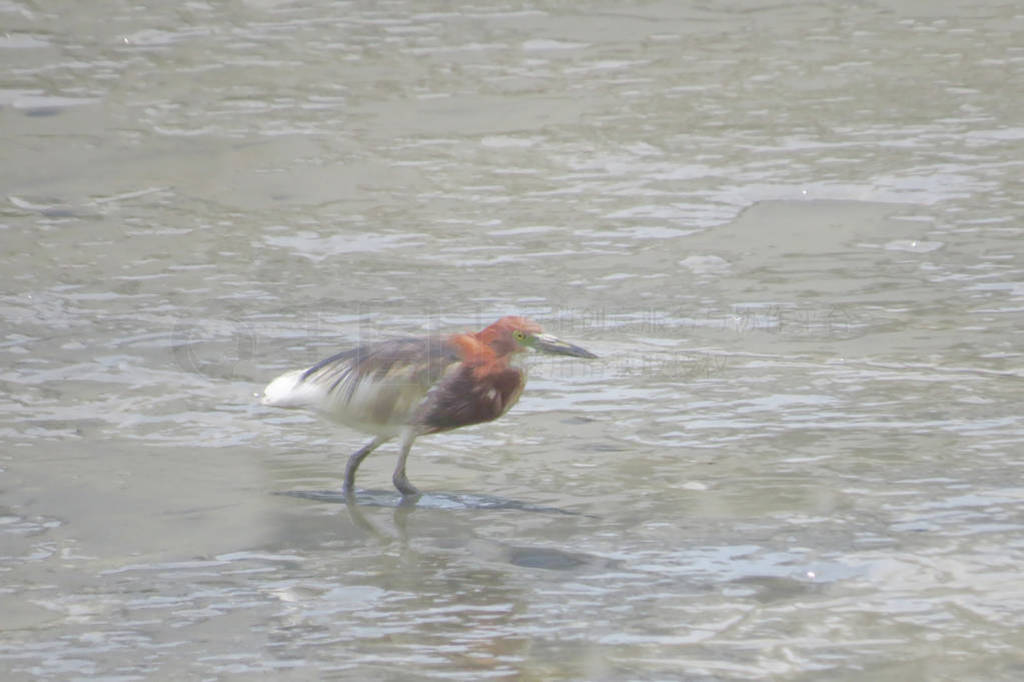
(399, 520)
(437, 501)
(404, 507)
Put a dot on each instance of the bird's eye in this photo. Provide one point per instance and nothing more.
(518, 335)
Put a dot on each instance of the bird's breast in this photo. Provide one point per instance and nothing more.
(467, 396)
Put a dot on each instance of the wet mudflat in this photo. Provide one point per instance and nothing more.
(792, 233)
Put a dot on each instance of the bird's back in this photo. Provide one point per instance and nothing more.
(374, 388)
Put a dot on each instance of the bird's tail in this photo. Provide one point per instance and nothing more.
(289, 390)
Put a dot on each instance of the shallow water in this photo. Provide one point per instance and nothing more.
(791, 231)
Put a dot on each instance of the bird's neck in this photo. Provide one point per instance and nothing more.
(477, 354)
(472, 350)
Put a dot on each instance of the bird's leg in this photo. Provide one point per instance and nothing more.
(400, 480)
(354, 461)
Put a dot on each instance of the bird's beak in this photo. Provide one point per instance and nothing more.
(551, 344)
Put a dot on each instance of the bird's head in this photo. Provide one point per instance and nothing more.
(517, 334)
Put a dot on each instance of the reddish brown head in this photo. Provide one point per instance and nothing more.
(515, 334)
(508, 335)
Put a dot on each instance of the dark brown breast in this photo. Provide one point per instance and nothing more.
(462, 398)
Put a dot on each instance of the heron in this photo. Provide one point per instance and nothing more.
(407, 388)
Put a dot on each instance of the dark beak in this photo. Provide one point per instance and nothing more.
(550, 344)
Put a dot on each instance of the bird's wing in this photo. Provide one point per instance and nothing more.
(374, 388)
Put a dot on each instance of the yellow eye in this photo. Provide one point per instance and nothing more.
(518, 335)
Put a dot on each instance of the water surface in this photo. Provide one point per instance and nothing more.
(791, 231)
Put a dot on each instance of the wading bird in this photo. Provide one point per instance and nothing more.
(408, 388)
